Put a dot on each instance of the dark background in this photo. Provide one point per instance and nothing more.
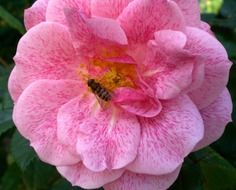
(212, 168)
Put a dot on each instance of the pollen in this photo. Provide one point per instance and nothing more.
(116, 74)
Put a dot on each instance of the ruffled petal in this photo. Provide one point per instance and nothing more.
(91, 35)
(168, 138)
(216, 63)
(191, 11)
(108, 8)
(79, 175)
(35, 116)
(170, 83)
(56, 8)
(169, 68)
(134, 181)
(35, 14)
(170, 39)
(136, 102)
(215, 117)
(106, 138)
(44, 52)
(141, 18)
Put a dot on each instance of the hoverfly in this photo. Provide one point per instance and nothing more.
(98, 90)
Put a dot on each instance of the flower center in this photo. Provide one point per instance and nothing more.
(114, 74)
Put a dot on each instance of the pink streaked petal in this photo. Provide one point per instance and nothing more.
(198, 74)
(215, 117)
(45, 52)
(79, 175)
(35, 14)
(35, 115)
(107, 29)
(132, 181)
(141, 18)
(14, 86)
(90, 33)
(108, 8)
(206, 27)
(80, 32)
(216, 62)
(136, 102)
(172, 82)
(106, 138)
(168, 138)
(191, 11)
(170, 39)
(56, 8)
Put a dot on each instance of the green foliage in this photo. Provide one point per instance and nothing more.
(11, 20)
(22, 153)
(213, 168)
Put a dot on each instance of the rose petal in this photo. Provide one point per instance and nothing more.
(35, 14)
(44, 52)
(215, 117)
(79, 175)
(134, 101)
(89, 34)
(14, 86)
(168, 84)
(134, 181)
(168, 138)
(191, 11)
(56, 8)
(108, 8)
(107, 29)
(106, 139)
(141, 18)
(35, 117)
(216, 62)
(171, 40)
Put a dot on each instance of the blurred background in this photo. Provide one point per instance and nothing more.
(212, 168)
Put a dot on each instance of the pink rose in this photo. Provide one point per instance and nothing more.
(159, 89)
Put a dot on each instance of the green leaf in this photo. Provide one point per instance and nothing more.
(21, 151)
(226, 146)
(11, 179)
(206, 170)
(5, 121)
(11, 20)
(218, 173)
(62, 184)
(39, 175)
(190, 177)
(229, 8)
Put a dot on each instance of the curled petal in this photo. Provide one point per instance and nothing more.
(141, 18)
(56, 8)
(79, 175)
(89, 33)
(167, 138)
(35, 14)
(134, 181)
(134, 101)
(216, 62)
(108, 8)
(215, 117)
(168, 84)
(106, 138)
(171, 40)
(35, 116)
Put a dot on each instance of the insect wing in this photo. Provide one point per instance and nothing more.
(101, 102)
